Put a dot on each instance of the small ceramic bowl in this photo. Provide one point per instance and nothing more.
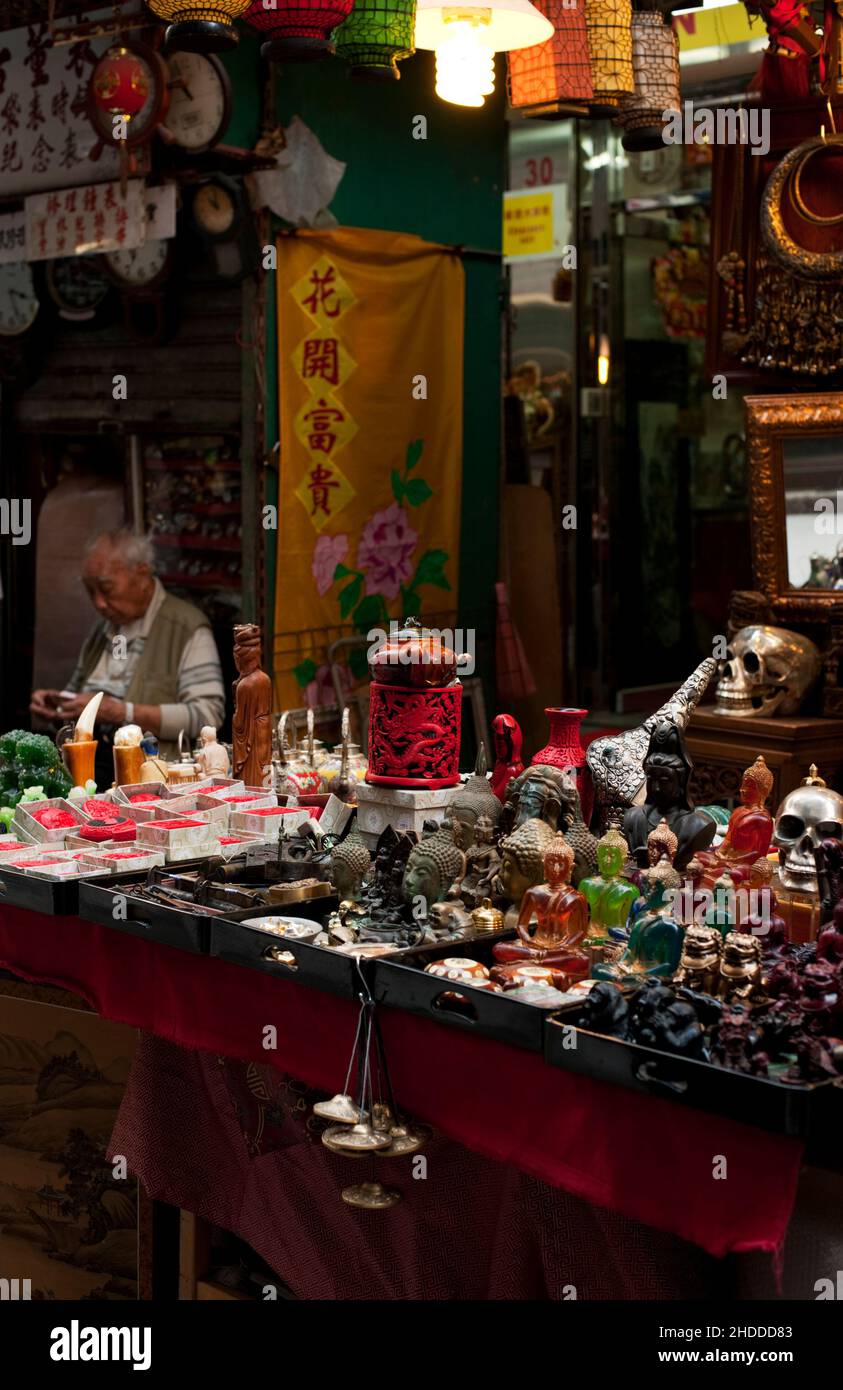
(459, 968)
(294, 928)
(533, 975)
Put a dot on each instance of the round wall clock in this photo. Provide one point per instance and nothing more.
(217, 208)
(200, 101)
(77, 286)
(139, 269)
(19, 303)
(130, 81)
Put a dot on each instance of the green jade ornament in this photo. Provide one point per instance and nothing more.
(609, 896)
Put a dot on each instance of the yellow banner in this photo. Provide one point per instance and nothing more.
(724, 26)
(370, 342)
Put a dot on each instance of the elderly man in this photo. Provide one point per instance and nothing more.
(154, 655)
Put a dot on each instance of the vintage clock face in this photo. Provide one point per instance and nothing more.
(216, 209)
(77, 286)
(140, 268)
(200, 101)
(18, 301)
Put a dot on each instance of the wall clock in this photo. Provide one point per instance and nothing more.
(218, 208)
(78, 288)
(141, 269)
(19, 303)
(200, 101)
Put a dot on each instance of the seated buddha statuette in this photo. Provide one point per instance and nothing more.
(552, 920)
(609, 896)
(668, 770)
(482, 863)
(749, 832)
(655, 938)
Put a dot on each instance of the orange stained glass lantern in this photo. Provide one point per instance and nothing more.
(551, 76)
(200, 26)
(609, 25)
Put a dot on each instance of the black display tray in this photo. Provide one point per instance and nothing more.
(319, 967)
(806, 1111)
(55, 897)
(403, 984)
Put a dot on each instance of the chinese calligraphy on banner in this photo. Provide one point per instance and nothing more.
(46, 139)
(370, 379)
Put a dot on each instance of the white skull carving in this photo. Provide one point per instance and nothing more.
(807, 816)
(768, 670)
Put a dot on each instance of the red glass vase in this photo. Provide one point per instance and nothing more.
(565, 750)
(414, 736)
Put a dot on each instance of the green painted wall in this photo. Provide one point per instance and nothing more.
(446, 188)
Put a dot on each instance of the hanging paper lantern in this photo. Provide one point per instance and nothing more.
(376, 36)
(200, 26)
(609, 25)
(466, 38)
(655, 63)
(297, 29)
(120, 84)
(554, 73)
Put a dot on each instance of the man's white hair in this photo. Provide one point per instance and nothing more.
(134, 550)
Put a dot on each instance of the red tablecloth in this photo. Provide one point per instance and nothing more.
(644, 1157)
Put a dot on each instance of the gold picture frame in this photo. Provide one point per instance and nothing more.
(771, 421)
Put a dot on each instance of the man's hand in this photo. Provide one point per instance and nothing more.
(45, 704)
(111, 711)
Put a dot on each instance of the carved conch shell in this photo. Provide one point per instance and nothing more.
(615, 762)
(84, 731)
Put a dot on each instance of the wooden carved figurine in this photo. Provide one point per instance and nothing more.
(251, 726)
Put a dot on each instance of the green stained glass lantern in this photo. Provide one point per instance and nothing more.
(376, 36)
(200, 26)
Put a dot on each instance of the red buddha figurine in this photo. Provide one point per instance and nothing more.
(758, 908)
(749, 832)
(560, 914)
(508, 763)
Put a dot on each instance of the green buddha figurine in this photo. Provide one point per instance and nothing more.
(655, 940)
(609, 896)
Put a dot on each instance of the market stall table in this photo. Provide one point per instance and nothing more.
(646, 1159)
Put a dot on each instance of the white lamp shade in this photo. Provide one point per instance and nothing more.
(511, 23)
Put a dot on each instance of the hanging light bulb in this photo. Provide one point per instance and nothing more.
(466, 37)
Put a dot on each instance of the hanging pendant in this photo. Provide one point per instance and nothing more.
(404, 1141)
(371, 1196)
(342, 1110)
(359, 1138)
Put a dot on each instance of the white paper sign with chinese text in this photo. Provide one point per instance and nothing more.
(82, 221)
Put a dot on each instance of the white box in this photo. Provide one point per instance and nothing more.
(400, 807)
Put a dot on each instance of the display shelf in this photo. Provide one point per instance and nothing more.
(188, 541)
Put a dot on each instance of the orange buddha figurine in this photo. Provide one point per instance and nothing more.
(560, 914)
(758, 907)
(749, 832)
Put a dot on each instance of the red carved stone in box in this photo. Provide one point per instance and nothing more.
(414, 736)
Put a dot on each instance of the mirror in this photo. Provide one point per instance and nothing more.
(812, 470)
(795, 466)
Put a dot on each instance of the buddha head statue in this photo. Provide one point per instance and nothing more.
(522, 858)
(668, 769)
(756, 783)
(432, 866)
(558, 861)
(612, 852)
(544, 793)
(350, 861)
(761, 873)
(473, 799)
(661, 843)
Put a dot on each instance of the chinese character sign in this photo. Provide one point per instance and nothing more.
(46, 139)
(82, 221)
(371, 372)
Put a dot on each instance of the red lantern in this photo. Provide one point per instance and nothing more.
(120, 84)
(297, 29)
